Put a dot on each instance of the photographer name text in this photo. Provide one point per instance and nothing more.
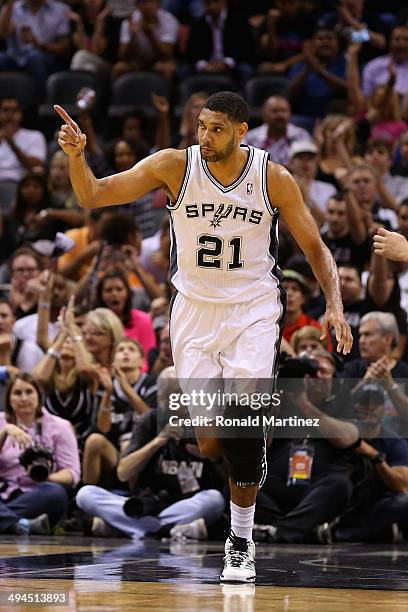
(250, 421)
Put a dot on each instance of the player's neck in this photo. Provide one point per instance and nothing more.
(228, 170)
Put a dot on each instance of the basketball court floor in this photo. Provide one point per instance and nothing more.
(96, 575)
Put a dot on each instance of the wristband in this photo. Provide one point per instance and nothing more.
(53, 353)
(45, 305)
(378, 458)
(77, 338)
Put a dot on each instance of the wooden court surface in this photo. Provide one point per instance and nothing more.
(101, 575)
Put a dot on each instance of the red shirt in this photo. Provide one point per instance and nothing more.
(303, 320)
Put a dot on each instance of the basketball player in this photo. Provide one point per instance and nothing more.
(391, 245)
(228, 313)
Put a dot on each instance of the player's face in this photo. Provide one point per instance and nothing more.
(217, 135)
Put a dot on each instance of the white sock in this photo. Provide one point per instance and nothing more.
(242, 520)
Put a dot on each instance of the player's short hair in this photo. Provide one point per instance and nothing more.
(231, 104)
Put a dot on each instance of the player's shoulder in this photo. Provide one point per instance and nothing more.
(278, 172)
(169, 159)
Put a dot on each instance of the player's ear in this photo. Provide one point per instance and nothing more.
(242, 130)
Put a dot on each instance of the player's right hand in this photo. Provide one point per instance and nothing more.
(70, 138)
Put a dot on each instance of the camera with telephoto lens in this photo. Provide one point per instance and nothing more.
(298, 367)
(146, 503)
(37, 460)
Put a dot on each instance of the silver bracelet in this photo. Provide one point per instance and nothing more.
(77, 338)
(53, 353)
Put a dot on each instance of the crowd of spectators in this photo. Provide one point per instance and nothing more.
(85, 359)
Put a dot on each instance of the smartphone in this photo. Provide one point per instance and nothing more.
(360, 36)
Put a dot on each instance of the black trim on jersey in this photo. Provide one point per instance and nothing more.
(264, 181)
(173, 249)
(183, 183)
(241, 177)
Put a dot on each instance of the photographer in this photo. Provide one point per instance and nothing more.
(33, 495)
(383, 492)
(171, 483)
(309, 480)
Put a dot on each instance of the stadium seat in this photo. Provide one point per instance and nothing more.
(135, 89)
(17, 85)
(63, 87)
(209, 83)
(261, 87)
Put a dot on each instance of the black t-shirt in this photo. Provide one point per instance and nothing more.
(123, 415)
(162, 469)
(346, 251)
(353, 314)
(78, 406)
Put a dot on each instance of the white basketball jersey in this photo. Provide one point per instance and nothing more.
(224, 239)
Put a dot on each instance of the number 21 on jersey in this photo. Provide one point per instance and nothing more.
(211, 249)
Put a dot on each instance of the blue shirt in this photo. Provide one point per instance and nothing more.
(316, 95)
(49, 23)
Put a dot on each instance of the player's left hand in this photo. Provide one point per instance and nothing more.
(334, 317)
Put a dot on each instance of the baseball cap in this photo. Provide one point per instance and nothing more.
(292, 275)
(302, 146)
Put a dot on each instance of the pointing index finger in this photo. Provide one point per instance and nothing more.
(64, 115)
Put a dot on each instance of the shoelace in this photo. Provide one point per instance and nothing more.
(238, 553)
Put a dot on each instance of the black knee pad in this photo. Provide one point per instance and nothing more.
(244, 445)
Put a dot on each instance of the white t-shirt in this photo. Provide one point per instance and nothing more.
(166, 31)
(31, 142)
(320, 193)
(26, 328)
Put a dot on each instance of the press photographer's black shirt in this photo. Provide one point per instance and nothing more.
(162, 469)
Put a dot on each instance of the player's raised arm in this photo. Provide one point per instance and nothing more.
(121, 188)
(285, 194)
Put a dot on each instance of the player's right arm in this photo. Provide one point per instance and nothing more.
(150, 173)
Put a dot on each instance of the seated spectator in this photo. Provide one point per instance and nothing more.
(21, 354)
(296, 292)
(319, 78)
(53, 294)
(307, 340)
(77, 263)
(355, 18)
(380, 114)
(378, 339)
(102, 331)
(63, 201)
(113, 292)
(27, 222)
(276, 134)
(377, 71)
(336, 143)
(96, 38)
(379, 155)
(37, 37)
(345, 233)
(65, 374)
(148, 40)
(25, 268)
(373, 198)
(303, 164)
(152, 463)
(124, 400)
(30, 505)
(155, 252)
(316, 303)
(21, 150)
(188, 130)
(291, 507)
(400, 168)
(161, 357)
(122, 156)
(215, 43)
(287, 26)
(382, 494)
